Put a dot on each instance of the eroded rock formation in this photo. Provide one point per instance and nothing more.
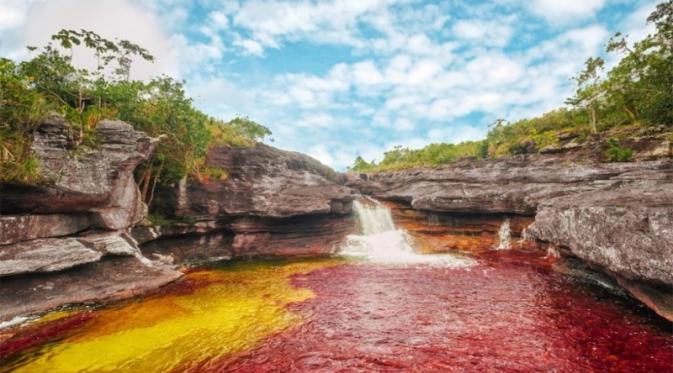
(614, 216)
(271, 203)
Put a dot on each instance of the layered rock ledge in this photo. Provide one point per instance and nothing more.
(271, 203)
(617, 217)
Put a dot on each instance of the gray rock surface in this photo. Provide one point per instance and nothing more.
(263, 181)
(109, 279)
(47, 255)
(16, 228)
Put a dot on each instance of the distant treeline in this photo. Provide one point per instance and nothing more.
(637, 92)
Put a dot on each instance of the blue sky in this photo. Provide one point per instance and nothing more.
(337, 79)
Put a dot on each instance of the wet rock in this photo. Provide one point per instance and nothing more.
(110, 279)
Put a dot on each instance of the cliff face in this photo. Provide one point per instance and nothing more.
(614, 216)
(272, 202)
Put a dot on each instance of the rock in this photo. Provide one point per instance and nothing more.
(98, 180)
(191, 249)
(46, 255)
(628, 231)
(115, 243)
(263, 181)
(504, 186)
(273, 203)
(662, 150)
(658, 299)
(16, 228)
(110, 279)
(298, 236)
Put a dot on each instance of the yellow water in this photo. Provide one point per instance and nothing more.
(232, 309)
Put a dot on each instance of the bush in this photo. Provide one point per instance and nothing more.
(616, 153)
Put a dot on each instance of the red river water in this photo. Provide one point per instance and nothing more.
(397, 311)
(502, 315)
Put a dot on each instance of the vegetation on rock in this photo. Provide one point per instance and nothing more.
(636, 93)
(49, 82)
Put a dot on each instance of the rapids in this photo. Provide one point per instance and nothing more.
(389, 309)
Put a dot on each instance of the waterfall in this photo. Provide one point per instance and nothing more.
(380, 241)
(504, 236)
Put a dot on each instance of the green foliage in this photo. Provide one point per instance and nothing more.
(617, 153)
(637, 92)
(433, 154)
(49, 82)
(238, 132)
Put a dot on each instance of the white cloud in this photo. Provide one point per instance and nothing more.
(12, 13)
(250, 46)
(483, 32)
(43, 19)
(565, 10)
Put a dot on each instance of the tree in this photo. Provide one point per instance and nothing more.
(588, 90)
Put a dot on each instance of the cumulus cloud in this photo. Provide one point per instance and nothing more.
(565, 10)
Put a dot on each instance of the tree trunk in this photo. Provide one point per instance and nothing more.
(145, 181)
(592, 112)
(154, 184)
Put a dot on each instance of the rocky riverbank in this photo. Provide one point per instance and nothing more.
(82, 234)
(616, 217)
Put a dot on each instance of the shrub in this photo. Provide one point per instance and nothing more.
(617, 153)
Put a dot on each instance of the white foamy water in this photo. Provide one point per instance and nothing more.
(17, 320)
(504, 236)
(380, 241)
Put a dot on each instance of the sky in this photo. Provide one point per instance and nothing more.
(338, 79)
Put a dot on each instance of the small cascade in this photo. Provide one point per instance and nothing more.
(525, 237)
(504, 236)
(381, 241)
(552, 252)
